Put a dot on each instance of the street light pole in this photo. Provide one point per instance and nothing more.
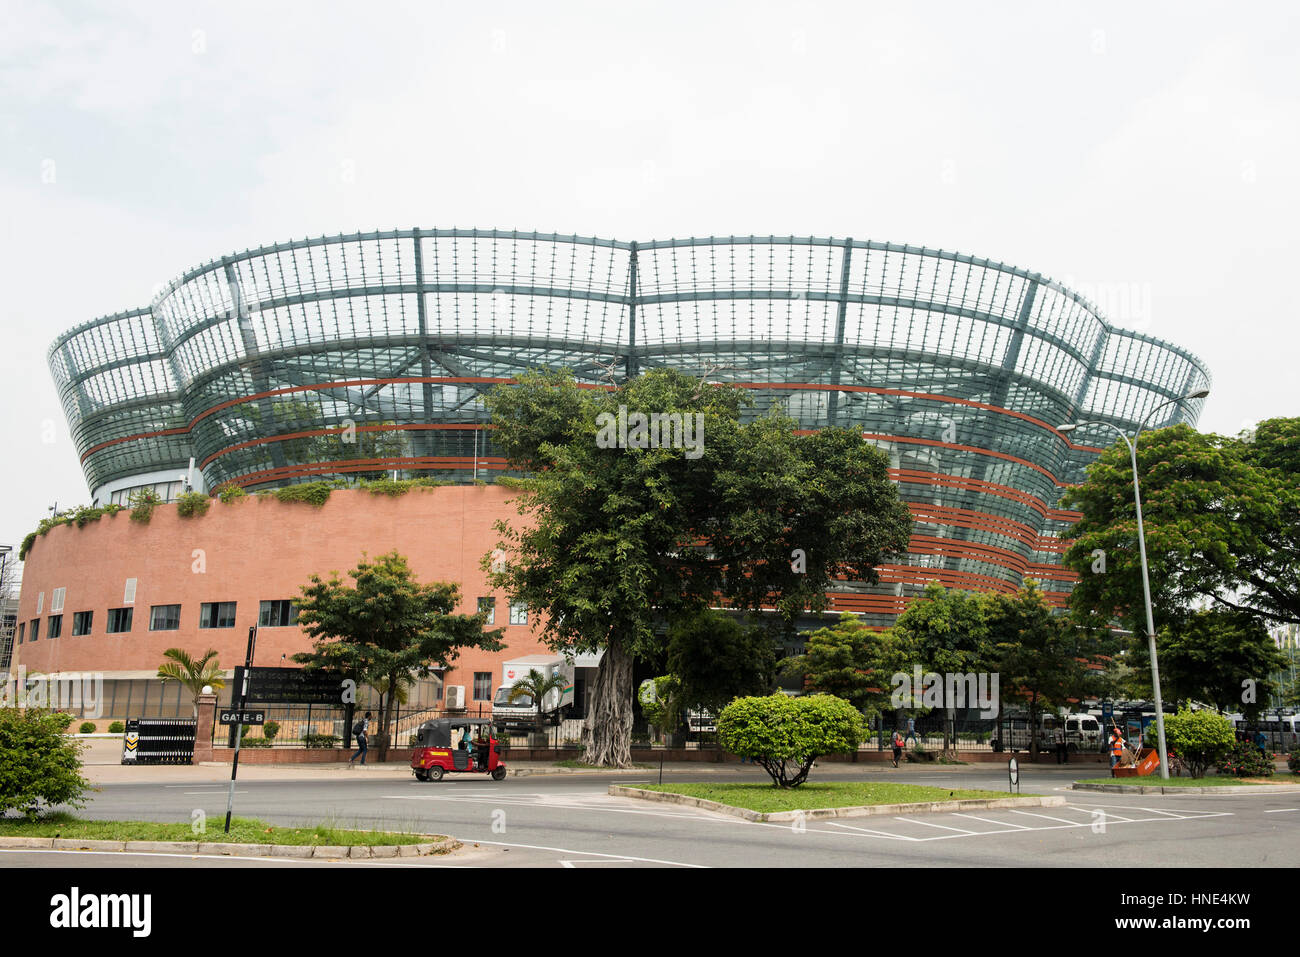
(1142, 550)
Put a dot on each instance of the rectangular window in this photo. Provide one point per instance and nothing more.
(217, 614)
(35, 631)
(128, 595)
(165, 618)
(518, 613)
(55, 626)
(56, 601)
(21, 626)
(488, 606)
(81, 622)
(119, 620)
(40, 602)
(277, 614)
(482, 686)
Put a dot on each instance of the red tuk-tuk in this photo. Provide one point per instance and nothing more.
(456, 745)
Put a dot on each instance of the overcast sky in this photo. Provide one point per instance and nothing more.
(1145, 155)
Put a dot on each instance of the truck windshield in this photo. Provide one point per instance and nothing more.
(502, 700)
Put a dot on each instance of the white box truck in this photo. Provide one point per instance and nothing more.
(522, 713)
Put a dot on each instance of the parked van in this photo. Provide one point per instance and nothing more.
(1082, 732)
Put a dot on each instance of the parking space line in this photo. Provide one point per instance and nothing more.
(914, 820)
(986, 820)
(1048, 817)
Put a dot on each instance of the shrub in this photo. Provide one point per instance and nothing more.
(1293, 762)
(1201, 738)
(321, 740)
(230, 493)
(919, 754)
(28, 541)
(83, 515)
(315, 494)
(39, 765)
(1245, 760)
(254, 742)
(270, 730)
(143, 502)
(786, 735)
(117, 727)
(87, 727)
(192, 504)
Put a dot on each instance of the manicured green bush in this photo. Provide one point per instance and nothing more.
(254, 742)
(87, 727)
(321, 740)
(786, 735)
(192, 504)
(117, 727)
(1245, 760)
(1293, 762)
(1200, 738)
(270, 730)
(40, 766)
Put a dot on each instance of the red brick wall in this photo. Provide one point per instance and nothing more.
(256, 549)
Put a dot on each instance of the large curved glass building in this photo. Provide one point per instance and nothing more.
(371, 352)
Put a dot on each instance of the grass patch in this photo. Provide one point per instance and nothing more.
(1212, 781)
(242, 831)
(809, 797)
(575, 763)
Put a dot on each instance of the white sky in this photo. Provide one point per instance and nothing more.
(1145, 155)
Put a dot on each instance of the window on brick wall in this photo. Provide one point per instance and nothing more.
(55, 626)
(482, 686)
(217, 614)
(165, 618)
(277, 614)
(488, 606)
(82, 621)
(119, 620)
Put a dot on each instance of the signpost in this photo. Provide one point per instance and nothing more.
(231, 716)
(1013, 775)
(239, 727)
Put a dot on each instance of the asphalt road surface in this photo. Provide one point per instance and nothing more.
(569, 820)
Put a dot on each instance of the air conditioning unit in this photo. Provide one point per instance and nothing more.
(455, 697)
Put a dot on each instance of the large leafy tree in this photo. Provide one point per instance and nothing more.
(1041, 656)
(946, 632)
(1222, 523)
(616, 541)
(718, 658)
(1216, 656)
(850, 661)
(386, 629)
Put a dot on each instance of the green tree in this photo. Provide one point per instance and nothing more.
(192, 673)
(1222, 522)
(1217, 656)
(386, 630)
(661, 702)
(718, 658)
(786, 735)
(618, 541)
(840, 660)
(1200, 738)
(537, 685)
(40, 766)
(1040, 655)
(946, 632)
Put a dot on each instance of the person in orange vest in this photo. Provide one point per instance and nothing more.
(1116, 749)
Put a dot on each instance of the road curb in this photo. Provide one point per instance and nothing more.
(1158, 789)
(869, 810)
(525, 772)
(216, 849)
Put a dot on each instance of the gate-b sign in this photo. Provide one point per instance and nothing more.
(232, 716)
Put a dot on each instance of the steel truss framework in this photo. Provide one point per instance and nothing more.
(257, 365)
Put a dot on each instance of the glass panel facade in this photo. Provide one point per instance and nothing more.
(957, 367)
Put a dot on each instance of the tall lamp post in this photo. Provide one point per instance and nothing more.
(1142, 549)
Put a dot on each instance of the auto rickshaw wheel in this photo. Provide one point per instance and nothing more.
(434, 774)
(498, 773)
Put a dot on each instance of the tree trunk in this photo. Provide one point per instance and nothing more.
(607, 732)
(385, 716)
(1033, 728)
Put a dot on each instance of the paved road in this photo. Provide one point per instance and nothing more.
(571, 821)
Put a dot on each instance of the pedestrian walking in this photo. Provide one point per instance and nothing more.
(911, 730)
(362, 731)
(898, 746)
(1062, 749)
